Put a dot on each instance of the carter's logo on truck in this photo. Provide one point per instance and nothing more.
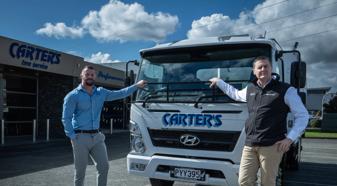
(33, 56)
(195, 120)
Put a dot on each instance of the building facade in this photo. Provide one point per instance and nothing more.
(34, 81)
(315, 96)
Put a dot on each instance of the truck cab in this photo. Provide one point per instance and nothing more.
(183, 130)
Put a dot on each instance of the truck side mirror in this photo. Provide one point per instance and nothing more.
(129, 79)
(303, 97)
(298, 74)
(132, 77)
(132, 81)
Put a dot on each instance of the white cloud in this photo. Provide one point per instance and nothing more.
(214, 25)
(73, 52)
(287, 21)
(118, 21)
(219, 24)
(123, 22)
(60, 30)
(100, 57)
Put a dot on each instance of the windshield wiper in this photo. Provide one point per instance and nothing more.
(151, 95)
(153, 92)
(213, 96)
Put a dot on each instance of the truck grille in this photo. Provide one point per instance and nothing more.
(213, 141)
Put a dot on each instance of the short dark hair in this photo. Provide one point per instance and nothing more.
(259, 58)
(88, 67)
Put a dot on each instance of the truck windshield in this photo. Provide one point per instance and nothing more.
(182, 75)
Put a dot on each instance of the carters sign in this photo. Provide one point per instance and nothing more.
(33, 56)
(192, 120)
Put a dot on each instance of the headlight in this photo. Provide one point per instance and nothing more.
(136, 140)
(134, 129)
(137, 144)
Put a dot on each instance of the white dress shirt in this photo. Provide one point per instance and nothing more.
(291, 98)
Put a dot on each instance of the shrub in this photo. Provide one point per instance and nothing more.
(331, 107)
(315, 123)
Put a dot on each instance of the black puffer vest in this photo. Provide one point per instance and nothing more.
(266, 123)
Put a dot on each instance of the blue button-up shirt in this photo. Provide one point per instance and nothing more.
(82, 111)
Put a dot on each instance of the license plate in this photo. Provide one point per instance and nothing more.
(186, 173)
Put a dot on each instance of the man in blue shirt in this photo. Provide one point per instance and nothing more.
(81, 118)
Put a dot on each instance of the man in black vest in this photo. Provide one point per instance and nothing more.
(269, 102)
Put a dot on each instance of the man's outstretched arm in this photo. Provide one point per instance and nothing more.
(119, 94)
(237, 95)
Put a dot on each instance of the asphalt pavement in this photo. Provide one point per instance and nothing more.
(52, 164)
(318, 164)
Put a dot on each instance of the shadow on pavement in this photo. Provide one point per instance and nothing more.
(24, 159)
(312, 174)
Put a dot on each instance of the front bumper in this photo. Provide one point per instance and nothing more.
(151, 164)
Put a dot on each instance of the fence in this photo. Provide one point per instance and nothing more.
(34, 130)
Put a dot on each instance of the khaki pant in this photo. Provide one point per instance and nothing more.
(267, 158)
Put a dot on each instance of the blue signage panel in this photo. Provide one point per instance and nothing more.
(106, 76)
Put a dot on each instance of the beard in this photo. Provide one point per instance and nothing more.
(89, 82)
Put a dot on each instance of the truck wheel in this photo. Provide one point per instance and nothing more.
(281, 169)
(294, 163)
(294, 157)
(158, 182)
(279, 177)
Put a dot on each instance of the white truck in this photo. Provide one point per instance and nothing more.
(182, 130)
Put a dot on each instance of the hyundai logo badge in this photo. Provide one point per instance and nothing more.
(189, 140)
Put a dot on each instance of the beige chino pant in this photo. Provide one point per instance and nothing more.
(267, 158)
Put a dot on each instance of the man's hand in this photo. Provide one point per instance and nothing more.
(213, 81)
(284, 145)
(141, 84)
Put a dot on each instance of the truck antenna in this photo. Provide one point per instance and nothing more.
(295, 45)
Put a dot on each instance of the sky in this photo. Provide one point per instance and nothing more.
(103, 31)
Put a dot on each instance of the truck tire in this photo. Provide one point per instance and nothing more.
(279, 177)
(280, 173)
(294, 162)
(294, 157)
(158, 182)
